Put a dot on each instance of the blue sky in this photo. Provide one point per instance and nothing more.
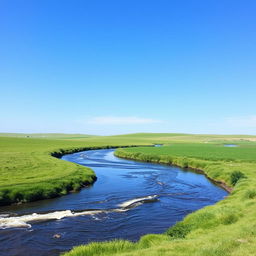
(113, 67)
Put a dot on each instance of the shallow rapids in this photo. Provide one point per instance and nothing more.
(25, 221)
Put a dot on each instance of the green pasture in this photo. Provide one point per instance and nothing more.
(208, 151)
(30, 172)
(227, 228)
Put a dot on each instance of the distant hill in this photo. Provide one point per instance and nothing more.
(47, 135)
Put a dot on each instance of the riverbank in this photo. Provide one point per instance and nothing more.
(60, 179)
(31, 170)
(224, 229)
(174, 161)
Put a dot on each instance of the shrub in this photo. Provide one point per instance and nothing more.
(235, 176)
(179, 230)
(4, 197)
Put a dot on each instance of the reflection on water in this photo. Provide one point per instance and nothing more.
(230, 145)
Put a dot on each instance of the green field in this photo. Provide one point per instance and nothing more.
(227, 228)
(30, 172)
(244, 152)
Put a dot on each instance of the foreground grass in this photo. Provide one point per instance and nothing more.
(224, 229)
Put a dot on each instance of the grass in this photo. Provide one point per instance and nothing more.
(208, 151)
(46, 135)
(224, 229)
(29, 172)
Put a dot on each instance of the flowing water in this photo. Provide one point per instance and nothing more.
(128, 200)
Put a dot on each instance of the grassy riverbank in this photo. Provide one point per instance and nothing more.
(29, 171)
(224, 229)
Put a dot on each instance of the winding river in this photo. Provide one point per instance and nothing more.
(128, 200)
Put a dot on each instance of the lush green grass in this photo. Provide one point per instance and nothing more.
(226, 229)
(29, 172)
(181, 137)
(207, 151)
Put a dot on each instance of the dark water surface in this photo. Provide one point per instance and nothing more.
(132, 199)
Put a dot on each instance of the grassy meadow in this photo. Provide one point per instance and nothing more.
(226, 228)
(30, 172)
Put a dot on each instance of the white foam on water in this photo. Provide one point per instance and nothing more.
(13, 223)
(25, 220)
(128, 203)
(160, 183)
(91, 212)
(4, 215)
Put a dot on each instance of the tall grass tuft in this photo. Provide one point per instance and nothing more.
(179, 230)
(235, 176)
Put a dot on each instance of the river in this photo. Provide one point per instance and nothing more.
(129, 199)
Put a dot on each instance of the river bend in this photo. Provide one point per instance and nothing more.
(129, 199)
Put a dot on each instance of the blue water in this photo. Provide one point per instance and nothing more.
(177, 192)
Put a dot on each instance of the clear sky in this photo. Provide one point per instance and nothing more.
(113, 67)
